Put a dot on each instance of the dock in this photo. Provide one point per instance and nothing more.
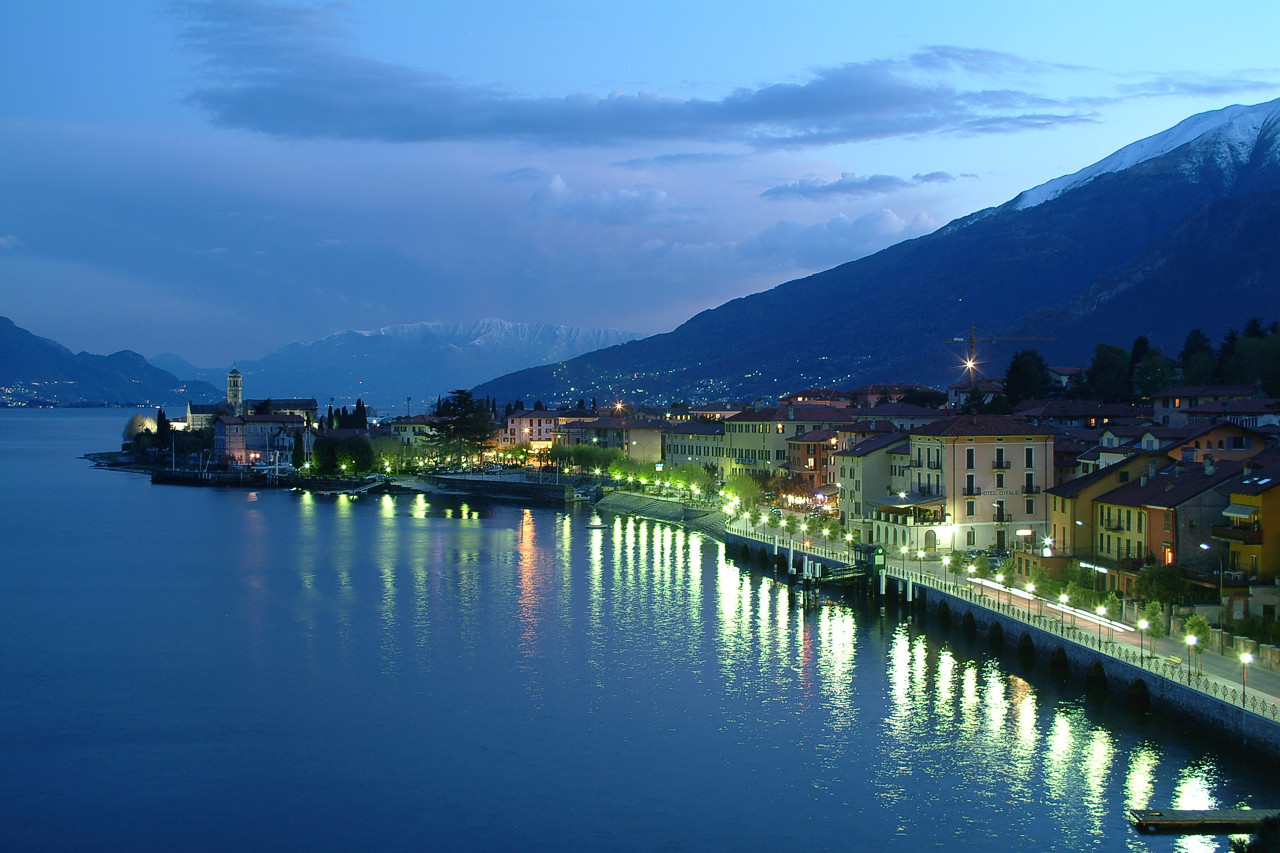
(1201, 821)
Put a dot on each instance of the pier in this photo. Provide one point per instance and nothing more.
(1201, 821)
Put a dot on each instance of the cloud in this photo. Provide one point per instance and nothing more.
(9, 241)
(612, 207)
(524, 173)
(835, 241)
(288, 71)
(693, 158)
(851, 186)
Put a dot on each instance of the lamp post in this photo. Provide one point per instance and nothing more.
(1204, 546)
(920, 560)
(1031, 588)
(1102, 612)
(946, 567)
(1143, 625)
(1245, 660)
(1192, 639)
(1062, 600)
(1000, 581)
(903, 552)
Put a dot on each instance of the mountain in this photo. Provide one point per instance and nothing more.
(1083, 258)
(421, 360)
(38, 370)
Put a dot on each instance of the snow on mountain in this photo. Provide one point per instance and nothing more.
(1225, 134)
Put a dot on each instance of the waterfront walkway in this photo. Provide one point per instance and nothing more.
(1213, 673)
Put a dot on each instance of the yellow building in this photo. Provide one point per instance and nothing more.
(1251, 525)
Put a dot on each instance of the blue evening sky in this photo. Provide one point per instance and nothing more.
(219, 178)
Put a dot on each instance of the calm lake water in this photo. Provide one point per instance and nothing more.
(186, 668)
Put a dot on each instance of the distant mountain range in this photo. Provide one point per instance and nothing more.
(35, 370)
(420, 360)
(1171, 233)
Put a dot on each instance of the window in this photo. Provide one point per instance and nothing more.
(1166, 522)
(970, 537)
(970, 508)
(1128, 519)
(1031, 506)
(969, 485)
(1031, 457)
(968, 457)
(1140, 515)
(999, 481)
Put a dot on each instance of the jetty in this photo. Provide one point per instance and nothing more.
(1201, 821)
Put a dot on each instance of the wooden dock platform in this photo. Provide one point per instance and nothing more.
(1200, 821)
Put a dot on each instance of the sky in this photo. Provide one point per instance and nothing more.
(216, 179)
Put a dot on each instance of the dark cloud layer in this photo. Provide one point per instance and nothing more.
(851, 186)
(286, 71)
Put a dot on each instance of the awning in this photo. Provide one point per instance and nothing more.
(1239, 511)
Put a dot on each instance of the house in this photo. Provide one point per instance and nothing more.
(1251, 413)
(1250, 524)
(1163, 516)
(861, 470)
(1171, 405)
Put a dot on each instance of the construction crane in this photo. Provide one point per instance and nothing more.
(971, 360)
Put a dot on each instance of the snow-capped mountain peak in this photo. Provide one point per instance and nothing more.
(1232, 131)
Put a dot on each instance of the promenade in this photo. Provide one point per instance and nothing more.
(1220, 675)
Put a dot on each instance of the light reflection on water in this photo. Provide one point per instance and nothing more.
(386, 664)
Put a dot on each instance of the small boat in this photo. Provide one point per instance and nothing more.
(596, 523)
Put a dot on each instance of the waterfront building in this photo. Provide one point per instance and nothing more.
(862, 470)
(260, 440)
(967, 482)
(757, 438)
(807, 456)
(696, 443)
(537, 427)
(638, 438)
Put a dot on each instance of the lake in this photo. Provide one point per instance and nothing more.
(205, 669)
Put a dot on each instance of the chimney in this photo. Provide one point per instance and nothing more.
(1142, 481)
(791, 412)
(1208, 464)
(1151, 467)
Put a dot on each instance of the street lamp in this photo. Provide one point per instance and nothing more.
(1062, 600)
(1031, 588)
(1102, 611)
(1245, 660)
(1192, 639)
(1000, 581)
(1143, 625)
(946, 566)
(903, 552)
(1204, 546)
(920, 561)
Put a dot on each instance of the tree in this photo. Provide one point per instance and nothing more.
(467, 428)
(1027, 377)
(1046, 586)
(981, 566)
(299, 458)
(355, 455)
(1113, 605)
(926, 397)
(1153, 612)
(1196, 343)
(1152, 372)
(744, 487)
(262, 407)
(1160, 582)
(1077, 595)
(1107, 377)
(1198, 626)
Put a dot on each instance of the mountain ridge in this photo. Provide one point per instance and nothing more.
(884, 317)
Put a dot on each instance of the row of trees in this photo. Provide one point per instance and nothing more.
(1116, 375)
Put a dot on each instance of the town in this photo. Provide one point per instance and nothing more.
(1150, 492)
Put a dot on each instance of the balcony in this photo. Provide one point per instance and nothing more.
(1002, 518)
(1001, 465)
(1238, 535)
(1031, 490)
(972, 491)
(935, 466)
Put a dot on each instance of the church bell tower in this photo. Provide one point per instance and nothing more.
(235, 398)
